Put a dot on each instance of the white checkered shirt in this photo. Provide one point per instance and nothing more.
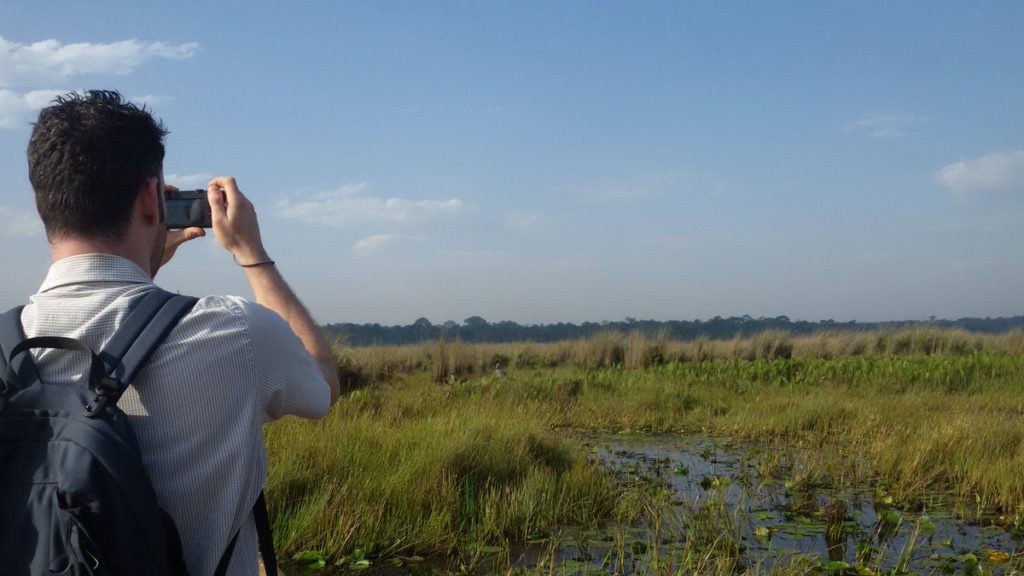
(198, 405)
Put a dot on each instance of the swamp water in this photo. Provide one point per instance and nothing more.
(720, 507)
(732, 507)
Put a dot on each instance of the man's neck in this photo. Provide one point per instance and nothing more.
(68, 247)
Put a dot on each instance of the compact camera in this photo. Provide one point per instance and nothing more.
(188, 208)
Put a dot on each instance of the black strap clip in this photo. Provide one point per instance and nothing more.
(5, 391)
(108, 391)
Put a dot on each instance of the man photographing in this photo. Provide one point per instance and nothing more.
(228, 366)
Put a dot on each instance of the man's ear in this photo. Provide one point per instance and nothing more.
(149, 201)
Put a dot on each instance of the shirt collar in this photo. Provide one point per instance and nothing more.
(86, 268)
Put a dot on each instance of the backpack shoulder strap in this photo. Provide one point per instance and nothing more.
(266, 541)
(140, 315)
(265, 534)
(145, 328)
(12, 334)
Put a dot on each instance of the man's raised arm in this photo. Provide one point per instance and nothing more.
(238, 231)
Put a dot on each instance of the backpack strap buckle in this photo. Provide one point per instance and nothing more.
(108, 391)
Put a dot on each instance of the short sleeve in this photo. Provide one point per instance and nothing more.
(290, 381)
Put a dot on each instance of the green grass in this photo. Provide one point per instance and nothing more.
(411, 469)
(406, 466)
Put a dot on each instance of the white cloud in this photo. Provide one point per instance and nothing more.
(884, 125)
(50, 61)
(187, 181)
(19, 223)
(350, 204)
(1002, 172)
(18, 110)
(26, 68)
(373, 245)
(150, 99)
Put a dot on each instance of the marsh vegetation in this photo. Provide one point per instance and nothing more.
(886, 452)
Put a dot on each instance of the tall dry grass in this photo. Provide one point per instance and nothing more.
(457, 360)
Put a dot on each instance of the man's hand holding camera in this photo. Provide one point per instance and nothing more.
(233, 219)
(235, 223)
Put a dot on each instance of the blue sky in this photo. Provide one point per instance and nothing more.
(567, 161)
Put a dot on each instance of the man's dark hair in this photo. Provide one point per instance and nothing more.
(88, 157)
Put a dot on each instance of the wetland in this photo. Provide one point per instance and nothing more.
(878, 453)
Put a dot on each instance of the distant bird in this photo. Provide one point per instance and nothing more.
(499, 371)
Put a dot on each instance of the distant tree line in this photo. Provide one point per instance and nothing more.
(477, 330)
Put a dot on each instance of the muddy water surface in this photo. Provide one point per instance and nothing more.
(739, 501)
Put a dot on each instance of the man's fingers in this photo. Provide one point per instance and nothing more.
(234, 220)
(228, 185)
(231, 197)
(177, 237)
(224, 182)
(215, 196)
